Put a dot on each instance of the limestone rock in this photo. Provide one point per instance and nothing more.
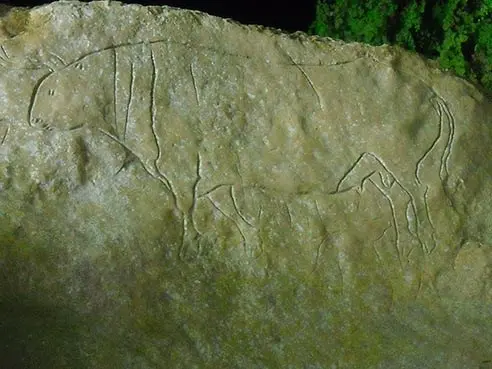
(188, 192)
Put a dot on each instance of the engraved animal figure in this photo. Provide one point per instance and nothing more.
(417, 220)
(402, 174)
(125, 93)
(140, 96)
(415, 217)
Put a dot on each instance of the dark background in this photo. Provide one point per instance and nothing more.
(295, 15)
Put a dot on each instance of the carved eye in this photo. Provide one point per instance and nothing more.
(79, 66)
(51, 92)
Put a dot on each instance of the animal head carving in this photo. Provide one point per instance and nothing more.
(74, 95)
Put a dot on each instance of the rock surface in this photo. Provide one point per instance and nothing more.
(189, 192)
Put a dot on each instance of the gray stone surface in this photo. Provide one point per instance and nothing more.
(188, 192)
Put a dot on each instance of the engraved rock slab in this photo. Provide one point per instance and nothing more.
(209, 194)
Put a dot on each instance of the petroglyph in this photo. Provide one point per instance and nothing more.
(138, 97)
(53, 83)
(258, 178)
(417, 214)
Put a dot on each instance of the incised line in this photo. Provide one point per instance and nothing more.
(307, 78)
(232, 219)
(145, 42)
(395, 223)
(115, 93)
(412, 199)
(427, 208)
(234, 202)
(34, 95)
(5, 54)
(387, 182)
(130, 99)
(364, 179)
(447, 151)
(194, 200)
(434, 143)
(262, 250)
(5, 134)
(377, 239)
(214, 188)
(158, 177)
(59, 58)
(288, 213)
(153, 129)
(411, 222)
(325, 237)
(193, 79)
(337, 190)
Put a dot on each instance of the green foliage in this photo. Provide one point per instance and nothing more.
(319, 26)
(412, 19)
(483, 54)
(457, 33)
(353, 20)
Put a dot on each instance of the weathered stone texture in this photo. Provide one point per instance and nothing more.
(202, 194)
